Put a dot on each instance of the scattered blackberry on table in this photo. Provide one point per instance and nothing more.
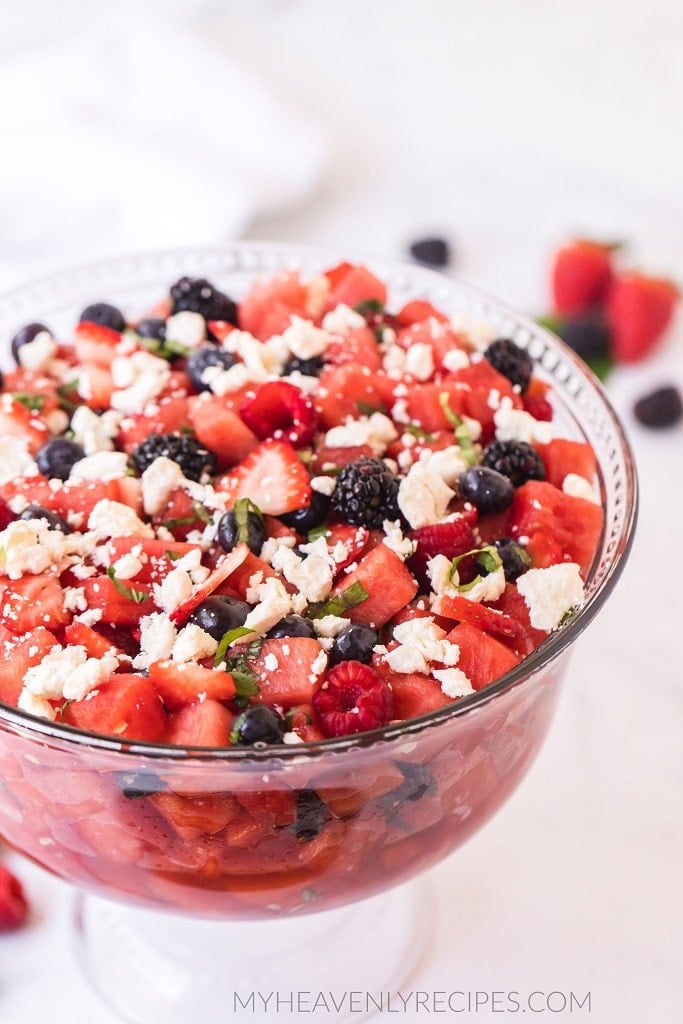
(258, 724)
(227, 532)
(512, 361)
(433, 251)
(311, 814)
(104, 314)
(152, 327)
(25, 336)
(366, 493)
(304, 519)
(57, 457)
(487, 489)
(587, 334)
(193, 458)
(355, 643)
(291, 625)
(660, 408)
(201, 359)
(53, 520)
(308, 367)
(516, 460)
(198, 295)
(514, 558)
(218, 615)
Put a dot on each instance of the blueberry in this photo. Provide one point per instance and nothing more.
(355, 643)
(26, 335)
(291, 625)
(135, 785)
(515, 559)
(152, 327)
(433, 251)
(487, 489)
(308, 367)
(104, 314)
(258, 724)
(54, 521)
(304, 519)
(660, 408)
(201, 359)
(311, 814)
(57, 457)
(226, 532)
(218, 615)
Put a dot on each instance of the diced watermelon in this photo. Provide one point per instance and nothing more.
(33, 601)
(192, 816)
(359, 346)
(351, 284)
(470, 393)
(387, 581)
(414, 694)
(171, 415)
(297, 674)
(512, 604)
(268, 307)
(348, 389)
(575, 524)
(77, 634)
(417, 311)
(204, 723)
(483, 659)
(18, 421)
(18, 655)
(222, 431)
(180, 683)
(117, 609)
(127, 707)
(325, 458)
(561, 457)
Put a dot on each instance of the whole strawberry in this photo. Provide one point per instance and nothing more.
(639, 310)
(13, 904)
(581, 276)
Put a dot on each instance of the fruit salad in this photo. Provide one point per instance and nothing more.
(266, 557)
(298, 516)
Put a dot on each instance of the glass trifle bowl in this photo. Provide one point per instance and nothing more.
(207, 874)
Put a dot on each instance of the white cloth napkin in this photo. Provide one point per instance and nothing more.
(133, 130)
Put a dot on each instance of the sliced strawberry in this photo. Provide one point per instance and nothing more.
(639, 310)
(449, 539)
(86, 329)
(220, 329)
(13, 902)
(7, 516)
(220, 428)
(272, 476)
(95, 385)
(183, 683)
(581, 274)
(496, 623)
(353, 699)
(33, 601)
(282, 411)
(18, 421)
(538, 407)
(77, 634)
(224, 569)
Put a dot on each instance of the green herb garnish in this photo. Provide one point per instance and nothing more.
(486, 558)
(369, 307)
(33, 402)
(64, 391)
(368, 410)
(340, 603)
(460, 429)
(228, 639)
(137, 596)
(200, 514)
(419, 432)
(317, 532)
(241, 510)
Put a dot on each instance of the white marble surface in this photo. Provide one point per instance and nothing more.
(506, 126)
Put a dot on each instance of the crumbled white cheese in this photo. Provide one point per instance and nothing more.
(402, 546)
(341, 319)
(31, 547)
(423, 497)
(394, 361)
(270, 662)
(312, 576)
(127, 567)
(274, 604)
(138, 378)
(159, 481)
(550, 593)
(157, 638)
(420, 361)
(455, 359)
(479, 333)
(319, 664)
(193, 644)
(68, 673)
(454, 682)
(222, 382)
(330, 625)
(186, 328)
(377, 431)
(304, 339)
(421, 642)
(446, 463)
(488, 588)
(518, 425)
(271, 546)
(36, 354)
(38, 706)
(578, 487)
(75, 599)
(323, 484)
(15, 458)
(95, 433)
(113, 519)
(104, 465)
(174, 590)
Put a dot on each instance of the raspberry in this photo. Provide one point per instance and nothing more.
(353, 699)
(449, 539)
(282, 411)
(6, 515)
(13, 903)
(538, 407)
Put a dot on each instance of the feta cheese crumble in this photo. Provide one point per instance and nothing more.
(550, 593)
(423, 497)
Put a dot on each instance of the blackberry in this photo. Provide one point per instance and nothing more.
(487, 489)
(198, 295)
(432, 251)
(135, 785)
(661, 408)
(201, 359)
(512, 361)
(104, 314)
(516, 460)
(366, 493)
(308, 367)
(26, 335)
(152, 327)
(192, 457)
(514, 558)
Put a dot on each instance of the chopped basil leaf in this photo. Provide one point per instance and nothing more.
(137, 596)
(241, 510)
(340, 603)
(168, 349)
(460, 429)
(246, 683)
(229, 638)
(367, 410)
(33, 402)
(486, 558)
(317, 532)
(64, 393)
(254, 648)
(199, 515)
(173, 555)
(369, 307)
(418, 431)
(201, 512)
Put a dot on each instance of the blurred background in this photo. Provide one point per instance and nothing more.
(504, 127)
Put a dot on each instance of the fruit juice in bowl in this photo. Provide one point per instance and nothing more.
(293, 559)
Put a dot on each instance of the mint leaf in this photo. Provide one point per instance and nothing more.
(241, 510)
(340, 603)
(487, 558)
(137, 596)
(33, 402)
(367, 410)
(460, 429)
(419, 432)
(228, 639)
(369, 307)
(68, 396)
